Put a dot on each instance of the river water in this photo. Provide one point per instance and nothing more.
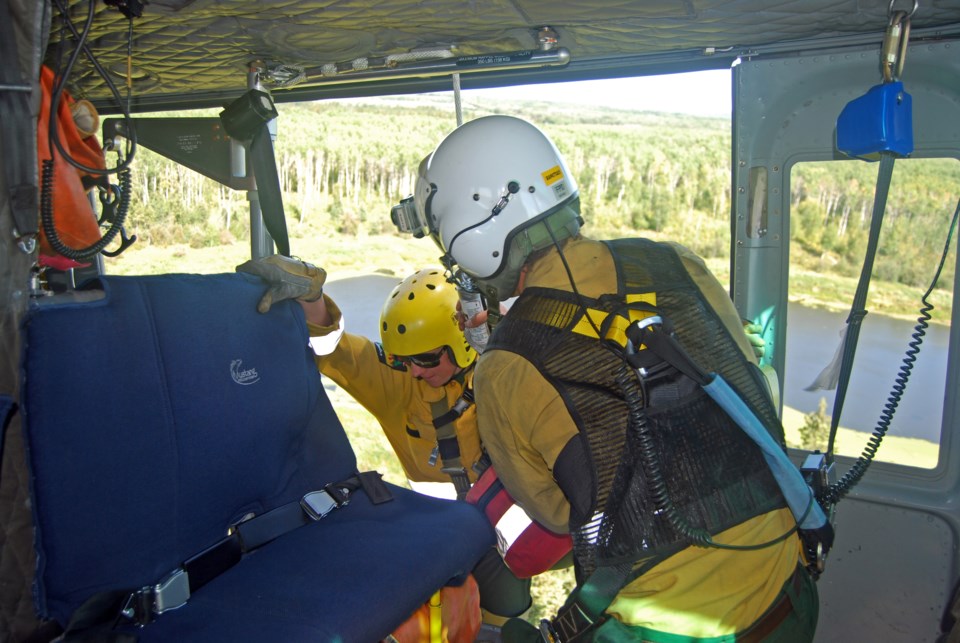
(813, 338)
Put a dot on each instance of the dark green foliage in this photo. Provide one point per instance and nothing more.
(343, 164)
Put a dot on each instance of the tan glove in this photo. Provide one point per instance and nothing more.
(286, 279)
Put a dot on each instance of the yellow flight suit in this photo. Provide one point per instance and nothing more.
(524, 424)
(400, 403)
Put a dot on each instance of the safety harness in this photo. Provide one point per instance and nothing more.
(448, 448)
(142, 606)
(639, 404)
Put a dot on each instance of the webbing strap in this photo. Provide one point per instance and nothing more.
(268, 188)
(858, 310)
(435, 610)
(584, 610)
(142, 606)
(18, 137)
(640, 306)
(447, 445)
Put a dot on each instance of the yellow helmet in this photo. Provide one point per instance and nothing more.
(419, 316)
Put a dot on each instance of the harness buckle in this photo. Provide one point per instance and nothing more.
(461, 482)
(172, 592)
(144, 605)
(318, 504)
(547, 633)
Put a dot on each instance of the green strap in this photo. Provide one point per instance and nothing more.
(582, 615)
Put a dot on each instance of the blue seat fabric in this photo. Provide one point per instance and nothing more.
(164, 411)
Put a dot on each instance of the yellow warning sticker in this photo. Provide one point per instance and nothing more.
(552, 175)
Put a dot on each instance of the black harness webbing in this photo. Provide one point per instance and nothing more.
(447, 445)
(141, 606)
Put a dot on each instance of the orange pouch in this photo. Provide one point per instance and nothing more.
(458, 611)
(73, 216)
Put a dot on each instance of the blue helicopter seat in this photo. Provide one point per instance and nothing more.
(159, 412)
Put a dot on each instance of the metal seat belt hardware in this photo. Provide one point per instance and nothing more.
(169, 594)
(318, 504)
(458, 475)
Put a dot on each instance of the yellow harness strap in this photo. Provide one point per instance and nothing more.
(618, 326)
(436, 618)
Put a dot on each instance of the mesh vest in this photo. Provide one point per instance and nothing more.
(711, 474)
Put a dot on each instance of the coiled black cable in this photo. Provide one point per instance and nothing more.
(121, 170)
(632, 385)
(843, 486)
(49, 225)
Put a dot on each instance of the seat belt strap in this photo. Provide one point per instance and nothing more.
(264, 164)
(447, 445)
(142, 606)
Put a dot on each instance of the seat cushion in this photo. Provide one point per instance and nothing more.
(160, 410)
(353, 576)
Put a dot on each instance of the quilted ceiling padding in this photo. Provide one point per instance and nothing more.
(205, 47)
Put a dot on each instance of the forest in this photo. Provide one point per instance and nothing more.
(342, 164)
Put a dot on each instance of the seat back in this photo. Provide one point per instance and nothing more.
(158, 411)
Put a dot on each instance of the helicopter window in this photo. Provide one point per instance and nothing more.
(904, 342)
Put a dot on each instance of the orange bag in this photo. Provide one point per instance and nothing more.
(453, 613)
(74, 218)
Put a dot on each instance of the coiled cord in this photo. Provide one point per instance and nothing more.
(50, 229)
(843, 486)
(632, 385)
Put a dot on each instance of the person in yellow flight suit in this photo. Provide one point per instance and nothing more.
(417, 383)
(680, 531)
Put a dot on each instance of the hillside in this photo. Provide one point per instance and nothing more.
(342, 164)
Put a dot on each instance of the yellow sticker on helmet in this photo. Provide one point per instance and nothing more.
(552, 175)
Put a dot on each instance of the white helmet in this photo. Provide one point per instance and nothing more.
(484, 190)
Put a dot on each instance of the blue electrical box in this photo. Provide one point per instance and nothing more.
(879, 121)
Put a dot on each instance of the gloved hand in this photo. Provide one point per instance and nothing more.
(753, 332)
(286, 279)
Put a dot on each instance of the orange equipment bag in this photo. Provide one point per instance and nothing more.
(452, 615)
(527, 547)
(74, 218)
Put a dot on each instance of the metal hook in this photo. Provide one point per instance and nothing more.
(109, 199)
(894, 49)
(125, 242)
(916, 3)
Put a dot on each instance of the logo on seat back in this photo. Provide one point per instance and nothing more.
(242, 375)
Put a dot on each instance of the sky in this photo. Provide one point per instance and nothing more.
(703, 93)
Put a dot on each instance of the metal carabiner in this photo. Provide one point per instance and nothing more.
(894, 48)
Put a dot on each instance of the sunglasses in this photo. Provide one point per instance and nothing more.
(423, 360)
